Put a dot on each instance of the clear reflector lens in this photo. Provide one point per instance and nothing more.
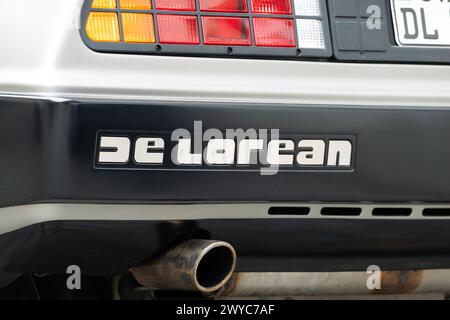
(226, 31)
(136, 4)
(271, 32)
(271, 6)
(223, 5)
(310, 34)
(307, 7)
(181, 5)
(104, 4)
(103, 27)
(178, 29)
(138, 27)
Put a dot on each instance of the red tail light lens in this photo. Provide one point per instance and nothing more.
(178, 29)
(272, 32)
(223, 5)
(272, 6)
(226, 31)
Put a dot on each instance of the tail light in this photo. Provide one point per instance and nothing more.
(271, 28)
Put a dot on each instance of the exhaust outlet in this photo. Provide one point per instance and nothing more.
(194, 265)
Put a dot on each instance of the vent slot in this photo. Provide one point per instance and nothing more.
(341, 211)
(436, 212)
(289, 211)
(392, 212)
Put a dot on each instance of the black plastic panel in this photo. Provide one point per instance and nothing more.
(353, 40)
(47, 153)
(97, 247)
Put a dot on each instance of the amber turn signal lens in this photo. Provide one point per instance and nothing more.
(138, 27)
(136, 4)
(103, 27)
(104, 4)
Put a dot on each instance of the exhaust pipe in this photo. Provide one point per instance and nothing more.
(302, 284)
(195, 265)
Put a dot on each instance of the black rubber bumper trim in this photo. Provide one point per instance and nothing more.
(47, 151)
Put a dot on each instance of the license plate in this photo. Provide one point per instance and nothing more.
(422, 22)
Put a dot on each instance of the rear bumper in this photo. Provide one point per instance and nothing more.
(47, 156)
(48, 153)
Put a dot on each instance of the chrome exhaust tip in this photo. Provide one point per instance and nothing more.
(194, 265)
